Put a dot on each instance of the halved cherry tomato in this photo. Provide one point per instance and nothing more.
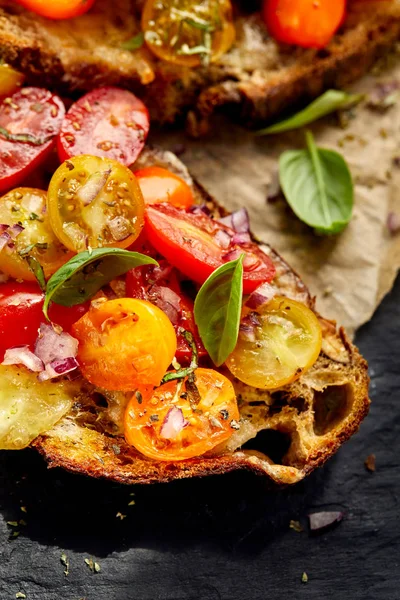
(95, 202)
(162, 286)
(188, 32)
(106, 122)
(57, 9)
(125, 344)
(191, 244)
(281, 341)
(21, 314)
(29, 120)
(27, 207)
(160, 185)
(182, 419)
(308, 23)
(10, 80)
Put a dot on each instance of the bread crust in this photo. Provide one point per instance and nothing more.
(305, 411)
(255, 82)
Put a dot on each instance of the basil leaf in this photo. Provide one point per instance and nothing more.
(134, 43)
(194, 362)
(37, 270)
(84, 274)
(318, 186)
(217, 310)
(329, 102)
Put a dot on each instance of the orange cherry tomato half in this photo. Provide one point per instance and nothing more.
(29, 120)
(107, 122)
(160, 185)
(10, 80)
(308, 23)
(125, 344)
(183, 420)
(58, 9)
(192, 243)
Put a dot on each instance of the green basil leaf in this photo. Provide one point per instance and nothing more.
(318, 186)
(217, 310)
(84, 274)
(329, 102)
(37, 270)
(134, 43)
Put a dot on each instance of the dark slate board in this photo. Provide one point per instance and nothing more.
(222, 538)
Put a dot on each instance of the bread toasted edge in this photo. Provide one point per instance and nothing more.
(82, 450)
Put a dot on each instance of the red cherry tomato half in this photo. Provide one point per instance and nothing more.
(21, 314)
(29, 120)
(308, 23)
(107, 122)
(160, 185)
(58, 9)
(162, 286)
(194, 245)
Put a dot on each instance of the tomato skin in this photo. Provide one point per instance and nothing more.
(304, 22)
(188, 242)
(210, 422)
(21, 314)
(108, 122)
(160, 185)
(148, 283)
(57, 9)
(125, 344)
(19, 159)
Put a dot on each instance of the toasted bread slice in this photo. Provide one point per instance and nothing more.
(283, 434)
(256, 80)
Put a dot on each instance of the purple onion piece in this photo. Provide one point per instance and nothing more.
(232, 255)
(15, 230)
(223, 239)
(93, 186)
(227, 221)
(5, 239)
(173, 424)
(200, 209)
(167, 300)
(21, 355)
(393, 223)
(3, 227)
(241, 221)
(51, 345)
(247, 332)
(65, 365)
(262, 295)
(321, 521)
(241, 239)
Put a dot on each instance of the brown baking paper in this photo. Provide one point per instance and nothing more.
(349, 273)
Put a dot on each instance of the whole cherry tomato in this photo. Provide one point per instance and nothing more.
(29, 121)
(58, 9)
(160, 185)
(107, 122)
(308, 23)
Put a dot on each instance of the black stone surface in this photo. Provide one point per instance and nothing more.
(222, 538)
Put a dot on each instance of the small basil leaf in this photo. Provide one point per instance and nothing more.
(194, 362)
(84, 274)
(329, 102)
(134, 43)
(217, 310)
(318, 186)
(37, 270)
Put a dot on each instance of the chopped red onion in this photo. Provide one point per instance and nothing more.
(93, 186)
(167, 300)
(161, 272)
(241, 239)
(5, 238)
(262, 295)
(21, 355)
(238, 221)
(173, 424)
(232, 255)
(321, 521)
(51, 346)
(15, 230)
(3, 227)
(199, 209)
(393, 223)
(247, 332)
(254, 319)
(223, 239)
(58, 368)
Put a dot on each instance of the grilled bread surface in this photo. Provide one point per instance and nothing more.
(283, 434)
(256, 80)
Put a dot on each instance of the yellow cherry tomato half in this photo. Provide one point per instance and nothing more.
(183, 419)
(10, 80)
(187, 32)
(125, 344)
(95, 202)
(160, 185)
(25, 208)
(276, 344)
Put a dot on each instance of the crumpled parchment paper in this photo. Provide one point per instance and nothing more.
(349, 273)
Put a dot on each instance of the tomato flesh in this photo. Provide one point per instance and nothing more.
(108, 122)
(308, 23)
(58, 9)
(162, 286)
(37, 115)
(21, 314)
(160, 185)
(180, 422)
(190, 243)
